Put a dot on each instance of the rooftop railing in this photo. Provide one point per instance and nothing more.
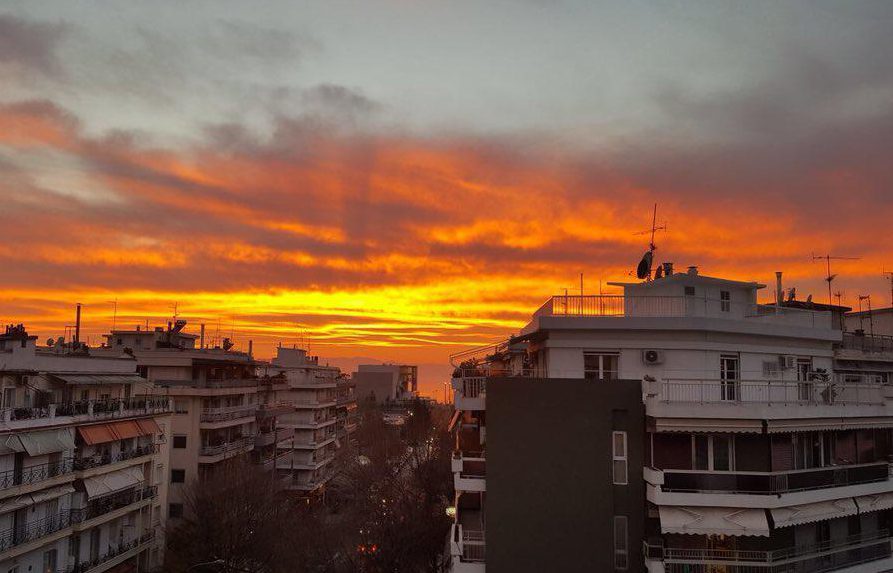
(773, 483)
(817, 557)
(867, 342)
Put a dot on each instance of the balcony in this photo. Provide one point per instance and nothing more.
(85, 411)
(273, 437)
(116, 555)
(814, 558)
(90, 462)
(773, 483)
(763, 399)
(109, 503)
(34, 530)
(228, 413)
(35, 474)
(470, 392)
(867, 343)
(236, 446)
(470, 472)
(323, 402)
(467, 549)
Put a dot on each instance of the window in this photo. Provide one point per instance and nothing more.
(805, 385)
(619, 458)
(175, 510)
(713, 453)
(621, 543)
(178, 476)
(181, 406)
(729, 373)
(9, 397)
(49, 561)
(600, 366)
(725, 301)
(689, 291)
(179, 442)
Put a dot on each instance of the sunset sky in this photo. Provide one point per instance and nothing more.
(401, 179)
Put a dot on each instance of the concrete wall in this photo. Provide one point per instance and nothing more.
(550, 497)
(380, 386)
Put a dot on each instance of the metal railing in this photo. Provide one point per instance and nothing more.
(226, 447)
(474, 545)
(617, 305)
(474, 387)
(111, 502)
(90, 564)
(224, 413)
(769, 392)
(115, 407)
(774, 482)
(34, 530)
(105, 459)
(35, 474)
(867, 342)
(805, 558)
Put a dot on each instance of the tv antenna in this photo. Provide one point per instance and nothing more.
(114, 312)
(830, 277)
(643, 271)
(870, 318)
(889, 275)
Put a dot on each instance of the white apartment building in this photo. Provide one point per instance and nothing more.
(217, 400)
(321, 422)
(83, 450)
(765, 447)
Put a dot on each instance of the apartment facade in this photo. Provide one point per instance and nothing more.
(217, 397)
(762, 450)
(320, 424)
(83, 450)
(385, 383)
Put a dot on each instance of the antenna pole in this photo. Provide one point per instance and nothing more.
(581, 294)
(653, 227)
(889, 275)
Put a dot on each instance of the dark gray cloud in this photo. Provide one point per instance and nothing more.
(30, 46)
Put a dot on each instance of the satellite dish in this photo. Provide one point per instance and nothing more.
(792, 294)
(644, 269)
(809, 299)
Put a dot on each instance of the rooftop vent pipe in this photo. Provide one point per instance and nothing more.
(779, 291)
(668, 269)
(693, 271)
(77, 325)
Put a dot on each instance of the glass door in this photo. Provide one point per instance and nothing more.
(730, 375)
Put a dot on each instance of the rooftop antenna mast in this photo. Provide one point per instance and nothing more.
(114, 312)
(643, 271)
(830, 277)
(889, 275)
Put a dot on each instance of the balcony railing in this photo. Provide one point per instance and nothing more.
(105, 459)
(615, 305)
(111, 502)
(811, 558)
(867, 342)
(227, 447)
(774, 482)
(35, 474)
(224, 413)
(770, 392)
(117, 407)
(35, 530)
(212, 383)
(87, 566)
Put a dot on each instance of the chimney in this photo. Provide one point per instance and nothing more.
(251, 348)
(202, 337)
(779, 291)
(77, 325)
(693, 271)
(668, 269)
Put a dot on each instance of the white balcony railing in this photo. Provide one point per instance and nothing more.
(769, 392)
(223, 413)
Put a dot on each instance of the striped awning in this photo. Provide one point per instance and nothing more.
(688, 425)
(40, 443)
(114, 431)
(113, 481)
(811, 512)
(815, 424)
(22, 501)
(713, 521)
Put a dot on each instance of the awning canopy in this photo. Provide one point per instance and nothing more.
(113, 481)
(877, 502)
(713, 521)
(811, 512)
(707, 425)
(27, 500)
(41, 443)
(815, 424)
(114, 431)
(456, 415)
(100, 379)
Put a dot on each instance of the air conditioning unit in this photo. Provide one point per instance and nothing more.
(652, 357)
(787, 362)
